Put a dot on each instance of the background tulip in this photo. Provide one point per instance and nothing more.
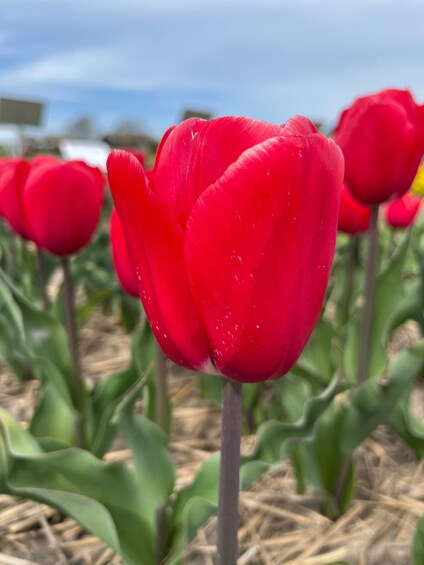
(354, 217)
(382, 139)
(233, 240)
(402, 212)
(63, 203)
(13, 176)
(121, 260)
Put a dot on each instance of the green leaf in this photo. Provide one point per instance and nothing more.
(104, 497)
(54, 418)
(44, 336)
(417, 548)
(108, 394)
(316, 357)
(388, 293)
(408, 427)
(274, 439)
(327, 454)
(153, 467)
(371, 405)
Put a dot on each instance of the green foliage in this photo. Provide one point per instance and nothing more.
(417, 549)
(388, 293)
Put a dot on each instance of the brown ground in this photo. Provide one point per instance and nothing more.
(278, 526)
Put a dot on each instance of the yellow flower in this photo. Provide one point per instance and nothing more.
(418, 182)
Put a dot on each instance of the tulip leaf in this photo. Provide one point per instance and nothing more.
(44, 336)
(54, 419)
(371, 405)
(408, 427)
(417, 548)
(13, 351)
(108, 394)
(275, 439)
(388, 293)
(316, 357)
(409, 307)
(327, 454)
(104, 497)
(153, 467)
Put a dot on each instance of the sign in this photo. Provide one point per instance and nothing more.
(20, 112)
(94, 153)
(190, 113)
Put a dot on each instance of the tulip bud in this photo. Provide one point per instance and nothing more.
(13, 176)
(232, 240)
(382, 139)
(402, 212)
(63, 203)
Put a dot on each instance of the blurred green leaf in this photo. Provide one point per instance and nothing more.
(274, 439)
(327, 454)
(388, 293)
(54, 418)
(316, 357)
(417, 548)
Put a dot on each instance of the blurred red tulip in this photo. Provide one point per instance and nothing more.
(63, 202)
(13, 176)
(121, 260)
(354, 217)
(382, 139)
(233, 240)
(402, 212)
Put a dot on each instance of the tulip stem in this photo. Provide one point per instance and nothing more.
(42, 279)
(229, 480)
(162, 402)
(78, 391)
(369, 293)
(13, 253)
(346, 296)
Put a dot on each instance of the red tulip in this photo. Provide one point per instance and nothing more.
(402, 212)
(121, 260)
(14, 174)
(382, 139)
(63, 202)
(233, 240)
(354, 217)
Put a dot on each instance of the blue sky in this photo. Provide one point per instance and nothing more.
(149, 59)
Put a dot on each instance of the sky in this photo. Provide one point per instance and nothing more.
(148, 60)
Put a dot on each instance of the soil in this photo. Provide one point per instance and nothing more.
(277, 525)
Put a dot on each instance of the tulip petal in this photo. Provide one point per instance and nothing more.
(259, 246)
(121, 260)
(196, 153)
(155, 244)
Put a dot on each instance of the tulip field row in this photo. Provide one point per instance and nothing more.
(277, 267)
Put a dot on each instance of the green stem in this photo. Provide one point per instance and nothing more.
(162, 400)
(78, 389)
(346, 296)
(13, 253)
(42, 279)
(229, 480)
(368, 305)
